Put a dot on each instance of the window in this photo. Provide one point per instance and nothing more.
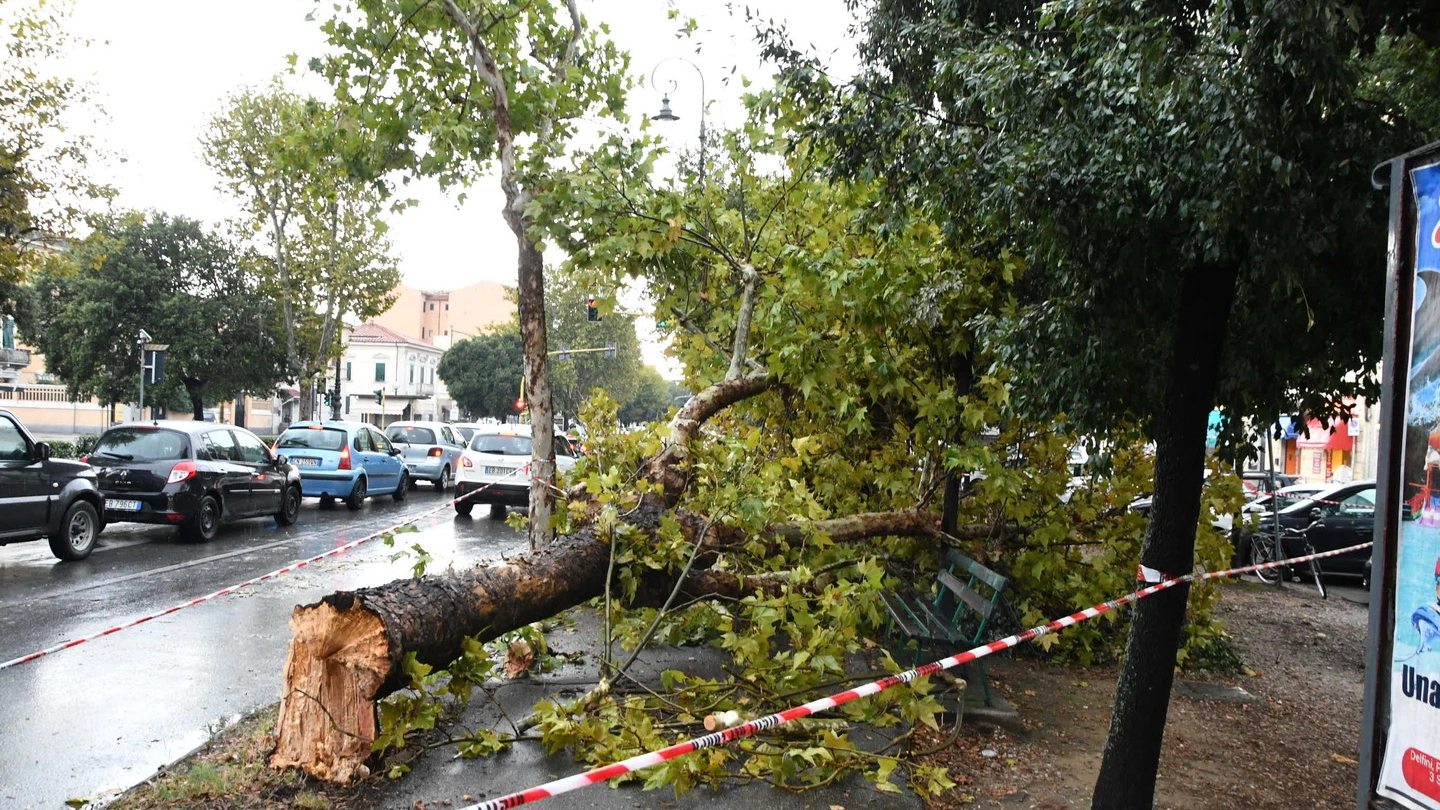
(362, 441)
(12, 441)
(252, 450)
(447, 307)
(379, 372)
(432, 306)
(347, 371)
(412, 373)
(410, 434)
(378, 442)
(142, 444)
(219, 446)
(312, 439)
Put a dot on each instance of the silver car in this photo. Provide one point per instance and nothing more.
(430, 450)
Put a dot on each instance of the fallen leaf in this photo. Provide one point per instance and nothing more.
(837, 807)
(419, 805)
(519, 660)
(1344, 760)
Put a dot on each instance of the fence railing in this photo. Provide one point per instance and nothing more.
(35, 393)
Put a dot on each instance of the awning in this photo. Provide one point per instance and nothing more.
(1322, 438)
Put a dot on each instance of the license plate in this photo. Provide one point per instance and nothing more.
(120, 505)
(498, 470)
(306, 462)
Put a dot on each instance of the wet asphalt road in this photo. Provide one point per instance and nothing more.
(97, 718)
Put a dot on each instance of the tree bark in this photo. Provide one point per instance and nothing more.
(1142, 697)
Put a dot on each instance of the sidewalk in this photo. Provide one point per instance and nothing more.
(439, 777)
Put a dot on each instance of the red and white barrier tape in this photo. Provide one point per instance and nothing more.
(295, 566)
(718, 738)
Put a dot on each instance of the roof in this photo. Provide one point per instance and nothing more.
(370, 332)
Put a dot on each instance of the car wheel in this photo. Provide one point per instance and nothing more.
(327, 501)
(289, 507)
(497, 510)
(463, 508)
(404, 489)
(357, 495)
(77, 532)
(443, 482)
(205, 522)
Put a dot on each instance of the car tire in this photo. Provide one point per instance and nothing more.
(357, 495)
(289, 507)
(403, 489)
(78, 531)
(443, 482)
(497, 511)
(463, 508)
(203, 525)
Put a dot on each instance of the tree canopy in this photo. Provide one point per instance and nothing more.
(1189, 186)
(184, 286)
(305, 183)
(482, 373)
(45, 177)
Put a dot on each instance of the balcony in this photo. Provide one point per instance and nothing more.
(14, 358)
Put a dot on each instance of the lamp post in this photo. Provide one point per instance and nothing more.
(142, 339)
(666, 115)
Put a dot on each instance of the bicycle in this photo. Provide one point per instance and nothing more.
(1266, 547)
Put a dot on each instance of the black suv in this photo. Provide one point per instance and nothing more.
(42, 496)
(193, 475)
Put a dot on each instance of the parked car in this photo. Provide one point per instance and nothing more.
(349, 460)
(431, 451)
(1346, 515)
(494, 467)
(1261, 506)
(46, 497)
(194, 475)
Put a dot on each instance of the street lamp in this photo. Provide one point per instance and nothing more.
(666, 115)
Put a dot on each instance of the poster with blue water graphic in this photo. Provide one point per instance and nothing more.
(1411, 771)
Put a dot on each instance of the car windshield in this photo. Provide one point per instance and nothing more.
(411, 435)
(142, 444)
(501, 444)
(312, 439)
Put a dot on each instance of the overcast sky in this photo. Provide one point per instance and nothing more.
(162, 68)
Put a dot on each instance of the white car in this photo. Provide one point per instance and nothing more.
(1289, 496)
(495, 468)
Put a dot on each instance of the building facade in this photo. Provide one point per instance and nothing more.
(387, 376)
(441, 318)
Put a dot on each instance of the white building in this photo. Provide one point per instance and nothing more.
(379, 360)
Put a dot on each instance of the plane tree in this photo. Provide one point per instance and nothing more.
(45, 166)
(1189, 185)
(451, 90)
(307, 188)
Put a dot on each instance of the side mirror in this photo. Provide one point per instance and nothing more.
(395, 451)
(281, 459)
(42, 451)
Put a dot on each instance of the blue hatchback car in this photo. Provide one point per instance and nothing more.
(347, 460)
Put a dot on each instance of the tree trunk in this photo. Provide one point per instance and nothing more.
(197, 403)
(1142, 696)
(537, 384)
(348, 649)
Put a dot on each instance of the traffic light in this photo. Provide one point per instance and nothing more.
(520, 404)
(592, 313)
(329, 398)
(380, 395)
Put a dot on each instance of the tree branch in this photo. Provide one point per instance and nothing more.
(742, 321)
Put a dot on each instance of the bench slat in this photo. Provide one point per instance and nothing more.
(955, 558)
(907, 622)
(977, 602)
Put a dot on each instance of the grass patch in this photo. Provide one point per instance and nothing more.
(232, 771)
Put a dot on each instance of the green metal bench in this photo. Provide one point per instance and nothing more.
(954, 614)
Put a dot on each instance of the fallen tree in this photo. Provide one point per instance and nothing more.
(348, 649)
